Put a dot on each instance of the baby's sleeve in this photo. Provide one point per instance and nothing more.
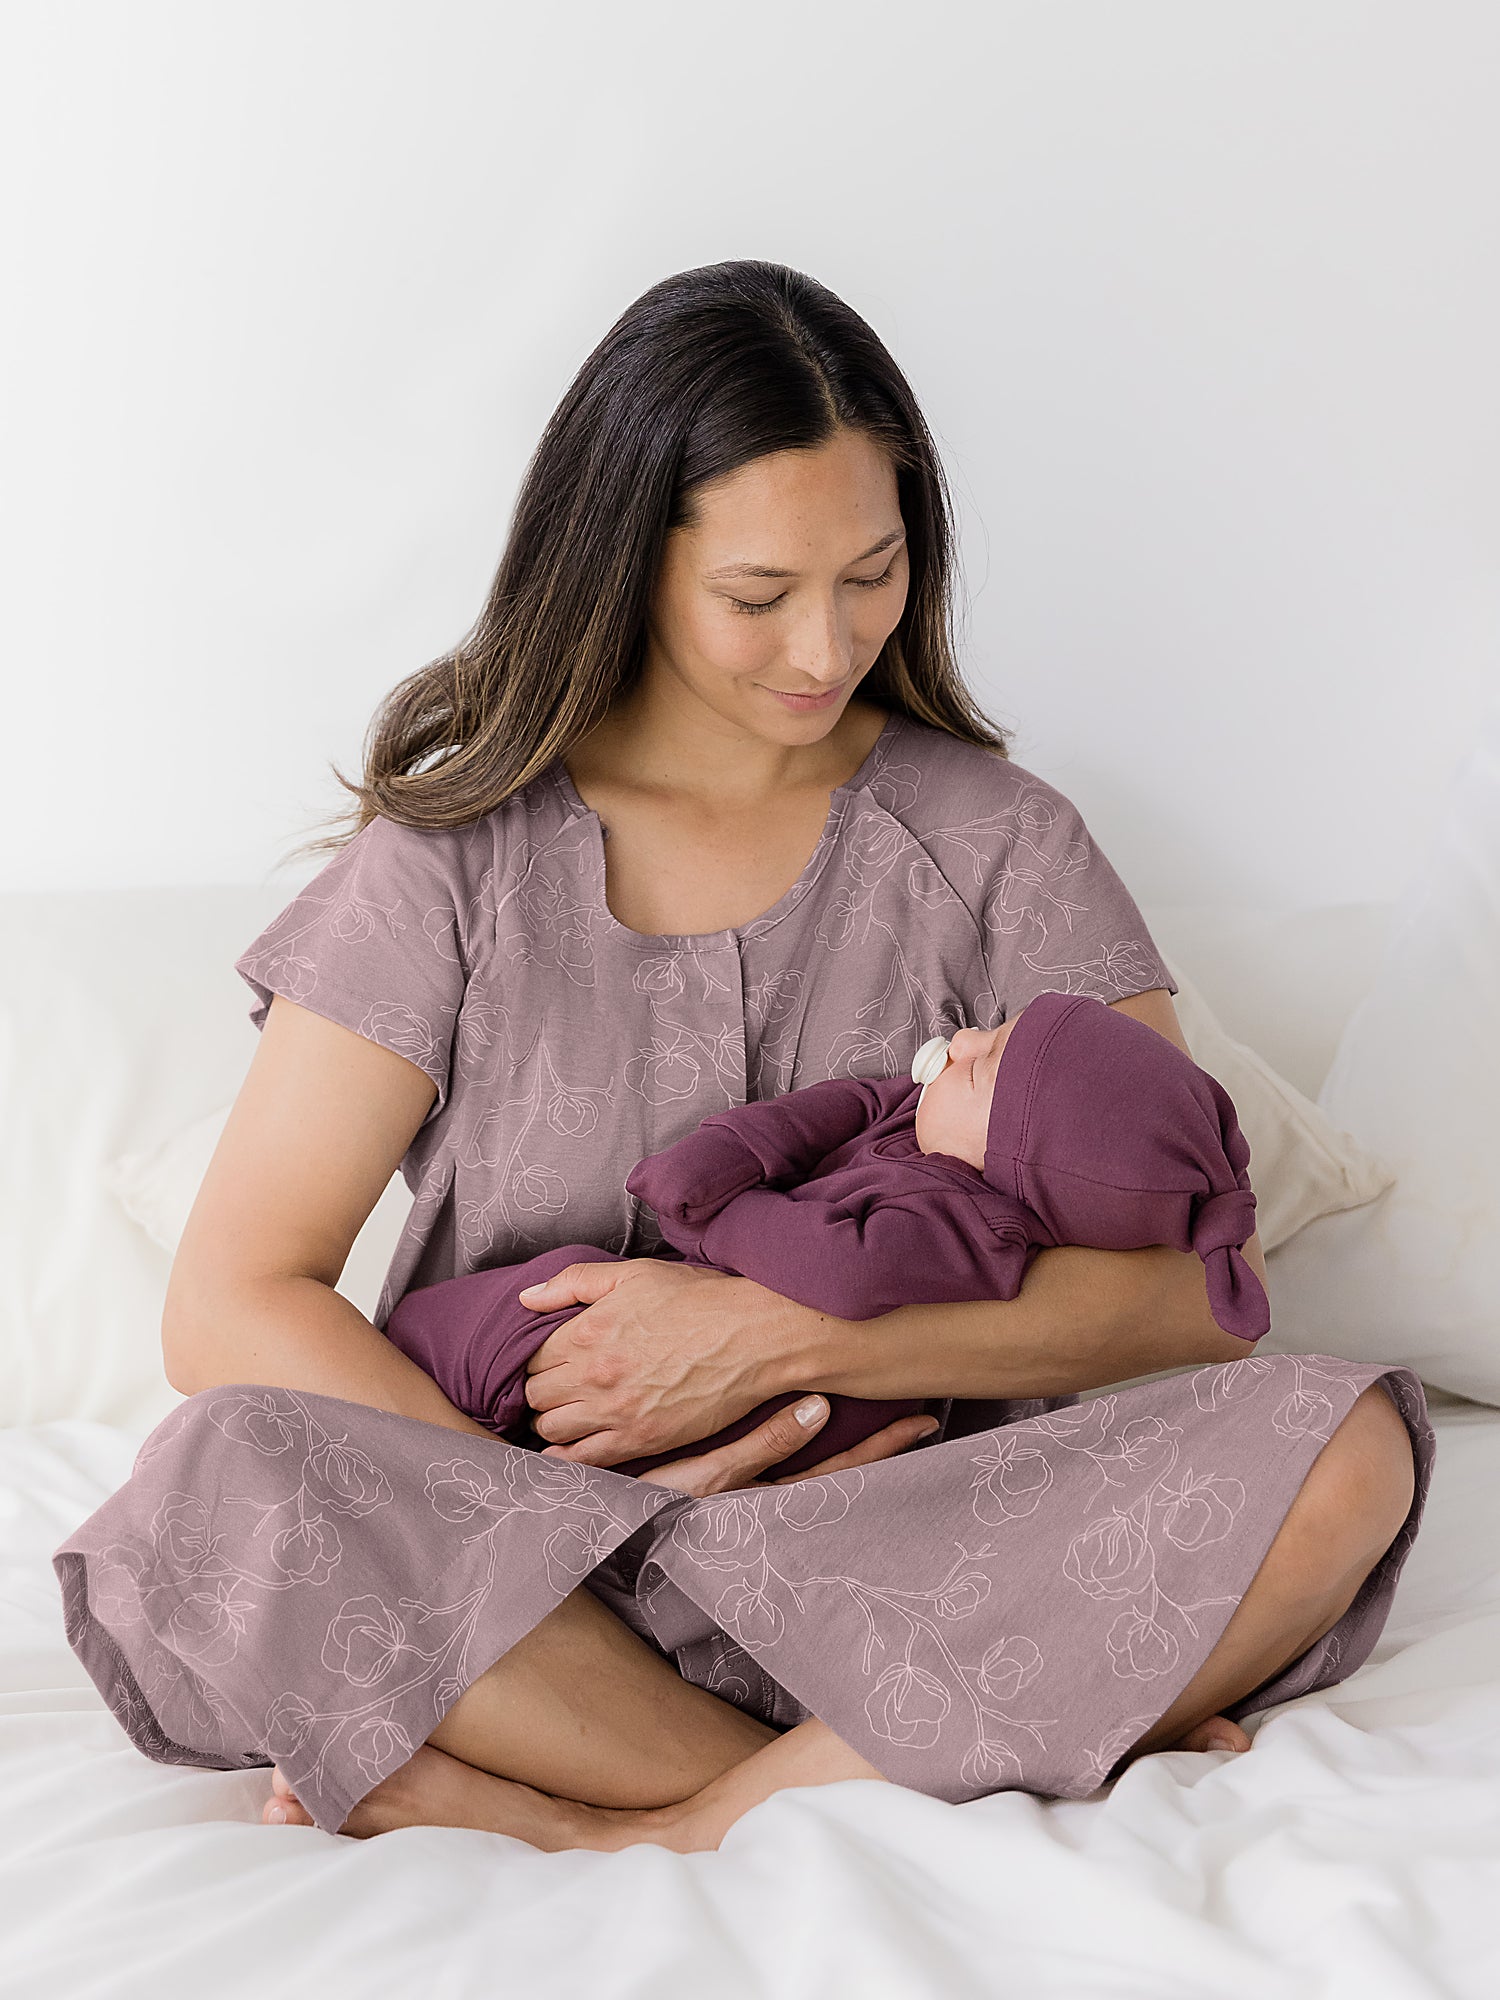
(863, 1257)
(382, 940)
(1056, 917)
(749, 1145)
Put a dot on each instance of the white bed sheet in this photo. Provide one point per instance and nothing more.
(1353, 1850)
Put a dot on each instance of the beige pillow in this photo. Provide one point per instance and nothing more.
(1301, 1165)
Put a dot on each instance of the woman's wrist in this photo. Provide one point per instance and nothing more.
(795, 1343)
(1083, 1318)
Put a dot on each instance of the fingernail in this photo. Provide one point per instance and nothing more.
(809, 1409)
(928, 1429)
(278, 1812)
(527, 1288)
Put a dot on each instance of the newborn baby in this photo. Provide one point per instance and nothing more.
(1071, 1123)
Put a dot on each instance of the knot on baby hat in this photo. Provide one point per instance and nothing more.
(1221, 1224)
(1116, 1139)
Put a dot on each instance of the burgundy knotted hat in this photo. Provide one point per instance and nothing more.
(1116, 1139)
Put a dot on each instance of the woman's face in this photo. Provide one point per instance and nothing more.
(953, 1112)
(824, 529)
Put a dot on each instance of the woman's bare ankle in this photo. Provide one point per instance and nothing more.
(809, 1754)
(679, 1826)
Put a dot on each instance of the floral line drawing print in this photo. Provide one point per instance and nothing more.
(873, 844)
(921, 1681)
(772, 1031)
(1027, 904)
(555, 909)
(916, 1687)
(522, 1188)
(1010, 1480)
(340, 1575)
(896, 787)
(724, 1676)
(1112, 1747)
(366, 924)
(887, 1051)
(1032, 813)
(381, 1650)
(1114, 1555)
(661, 981)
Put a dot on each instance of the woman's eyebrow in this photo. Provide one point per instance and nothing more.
(760, 569)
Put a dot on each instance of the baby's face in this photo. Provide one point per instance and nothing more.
(953, 1111)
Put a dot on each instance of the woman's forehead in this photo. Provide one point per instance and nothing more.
(788, 508)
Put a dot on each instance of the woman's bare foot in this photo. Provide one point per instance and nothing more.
(433, 1789)
(1215, 1732)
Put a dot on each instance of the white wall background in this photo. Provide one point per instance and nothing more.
(1201, 301)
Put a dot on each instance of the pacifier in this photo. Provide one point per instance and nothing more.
(928, 1064)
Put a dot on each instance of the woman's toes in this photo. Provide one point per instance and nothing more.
(283, 1807)
(285, 1812)
(1216, 1732)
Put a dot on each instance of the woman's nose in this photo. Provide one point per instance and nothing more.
(825, 651)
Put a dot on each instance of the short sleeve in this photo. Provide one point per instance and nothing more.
(1056, 916)
(381, 941)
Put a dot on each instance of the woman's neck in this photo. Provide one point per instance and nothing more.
(665, 748)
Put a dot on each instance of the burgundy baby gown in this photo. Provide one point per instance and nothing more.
(1101, 1133)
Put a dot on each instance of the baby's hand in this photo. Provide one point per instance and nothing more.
(693, 1179)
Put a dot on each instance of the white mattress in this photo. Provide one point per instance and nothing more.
(1353, 1850)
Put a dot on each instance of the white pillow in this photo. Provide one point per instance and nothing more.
(1416, 1277)
(1299, 1165)
(121, 1018)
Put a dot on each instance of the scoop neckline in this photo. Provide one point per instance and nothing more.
(838, 806)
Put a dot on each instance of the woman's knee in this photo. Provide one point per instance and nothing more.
(1351, 1504)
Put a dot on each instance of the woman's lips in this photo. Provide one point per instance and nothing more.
(799, 701)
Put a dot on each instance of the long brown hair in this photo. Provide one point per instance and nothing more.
(707, 370)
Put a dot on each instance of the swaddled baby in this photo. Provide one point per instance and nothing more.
(1071, 1123)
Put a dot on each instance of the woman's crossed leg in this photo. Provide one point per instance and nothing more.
(581, 1735)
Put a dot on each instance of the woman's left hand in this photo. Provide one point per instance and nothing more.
(662, 1355)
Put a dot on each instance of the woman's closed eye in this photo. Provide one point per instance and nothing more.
(859, 582)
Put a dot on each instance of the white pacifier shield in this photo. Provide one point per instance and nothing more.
(930, 1060)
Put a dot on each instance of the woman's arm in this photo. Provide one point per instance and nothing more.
(665, 1353)
(1083, 1318)
(319, 1126)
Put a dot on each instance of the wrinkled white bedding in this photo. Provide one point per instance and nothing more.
(1354, 1850)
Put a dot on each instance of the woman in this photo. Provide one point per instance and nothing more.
(699, 812)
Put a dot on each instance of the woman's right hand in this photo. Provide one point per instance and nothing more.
(740, 1462)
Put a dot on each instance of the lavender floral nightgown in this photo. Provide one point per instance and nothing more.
(301, 1579)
